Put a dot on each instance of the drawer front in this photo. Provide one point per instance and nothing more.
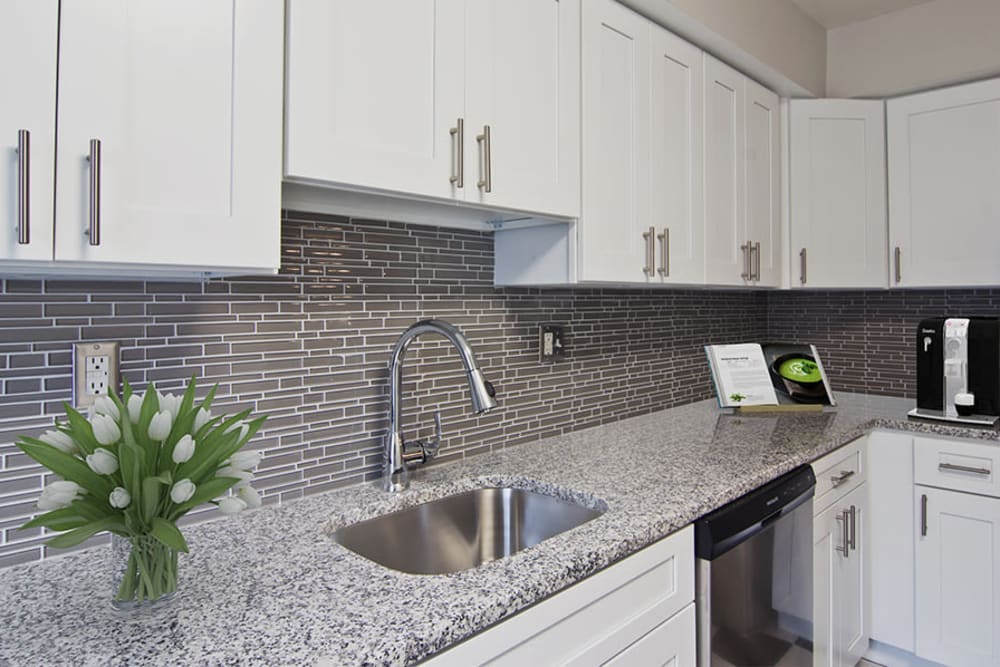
(838, 473)
(671, 643)
(960, 465)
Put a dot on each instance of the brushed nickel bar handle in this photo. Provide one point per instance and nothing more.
(854, 527)
(745, 249)
(961, 468)
(897, 253)
(844, 475)
(923, 515)
(94, 217)
(648, 237)
(843, 518)
(23, 187)
(755, 267)
(802, 266)
(664, 238)
(486, 182)
(458, 131)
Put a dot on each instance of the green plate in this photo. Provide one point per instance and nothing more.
(799, 369)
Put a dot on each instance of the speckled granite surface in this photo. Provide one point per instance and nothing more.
(271, 588)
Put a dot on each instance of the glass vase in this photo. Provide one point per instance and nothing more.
(144, 573)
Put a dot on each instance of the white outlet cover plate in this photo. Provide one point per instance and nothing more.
(84, 373)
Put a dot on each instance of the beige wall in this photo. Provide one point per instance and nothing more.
(941, 42)
(776, 32)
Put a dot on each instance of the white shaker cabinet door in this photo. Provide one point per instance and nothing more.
(726, 263)
(957, 578)
(28, 48)
(184, 98)
(944, 186)
(616, 237)
(838, 197)
(677, 158)
(374, 90)
(523, 82)
(763, 184)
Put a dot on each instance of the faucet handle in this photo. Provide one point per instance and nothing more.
(421, 451)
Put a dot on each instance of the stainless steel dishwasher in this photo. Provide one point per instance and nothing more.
(753, 577)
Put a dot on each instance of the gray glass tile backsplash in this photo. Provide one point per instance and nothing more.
(309, 347)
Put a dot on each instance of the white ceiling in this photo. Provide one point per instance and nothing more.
(836, 13)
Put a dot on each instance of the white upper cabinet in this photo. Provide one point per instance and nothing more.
(742, 170)
(169, 144)
(370, 101)
(838, 193)
(468, 100)
(616, 147)
(944, 199)
(28, 43)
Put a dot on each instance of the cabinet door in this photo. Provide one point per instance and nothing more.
(615, 213)
(185, 99)
(523, 81)
(677, 158)
(852, 582)
(28, 46)
(957, 578)
(373, 89)
(838, 199)
(763, 164)
(944, 203)
(725, 170)
(828, 540)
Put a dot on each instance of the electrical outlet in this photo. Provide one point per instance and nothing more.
(551, 342)
(95, 371)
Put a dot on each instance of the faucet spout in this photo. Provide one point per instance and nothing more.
(482, 394)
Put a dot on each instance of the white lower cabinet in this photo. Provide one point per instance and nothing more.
(637, 612)
(840, 558)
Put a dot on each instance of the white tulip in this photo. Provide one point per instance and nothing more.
(201, 418)
(247, 460)
(182, 491)
(249, 495)
(232, 505)
(169, 403)
(61, 441)
(103, 462)
(120, 498)
(242, 426)
(242, 475)
(106, 429)
(134, 406)
(58, 495)
(105, 406)
(160, 425)
(183, 450)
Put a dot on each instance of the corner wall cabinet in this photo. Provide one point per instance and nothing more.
(840, 558)
(944, 203)
(472, 101)
(168, 156)
(837, 220)
(639, 611)
(742, 180)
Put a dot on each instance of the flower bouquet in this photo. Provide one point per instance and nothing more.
(138, 464)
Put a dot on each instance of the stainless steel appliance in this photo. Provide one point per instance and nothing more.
(958, 370)
(754, 577)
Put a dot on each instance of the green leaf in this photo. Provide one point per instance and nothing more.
(77, 535)
(130, 462)
(187, 402)
(81, 430)
(168, 534)
(66, 518)
(67, 466)
(207, 403)
(150, 497)
(211, 489)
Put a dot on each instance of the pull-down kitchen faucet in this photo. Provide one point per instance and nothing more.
(399, 453)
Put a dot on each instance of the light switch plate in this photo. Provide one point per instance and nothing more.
(95, 371)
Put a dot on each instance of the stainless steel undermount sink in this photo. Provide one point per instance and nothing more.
(462, 531)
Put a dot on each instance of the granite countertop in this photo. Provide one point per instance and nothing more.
(269, 587)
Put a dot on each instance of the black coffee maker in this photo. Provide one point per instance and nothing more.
(958, 370)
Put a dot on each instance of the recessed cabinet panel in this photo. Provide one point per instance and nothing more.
(725, 171)
(184, 175)
(944, 203)
(522, 80)
(615, 159)
(373, 89)
(763, 218)
(28, 47)
(838, 200)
